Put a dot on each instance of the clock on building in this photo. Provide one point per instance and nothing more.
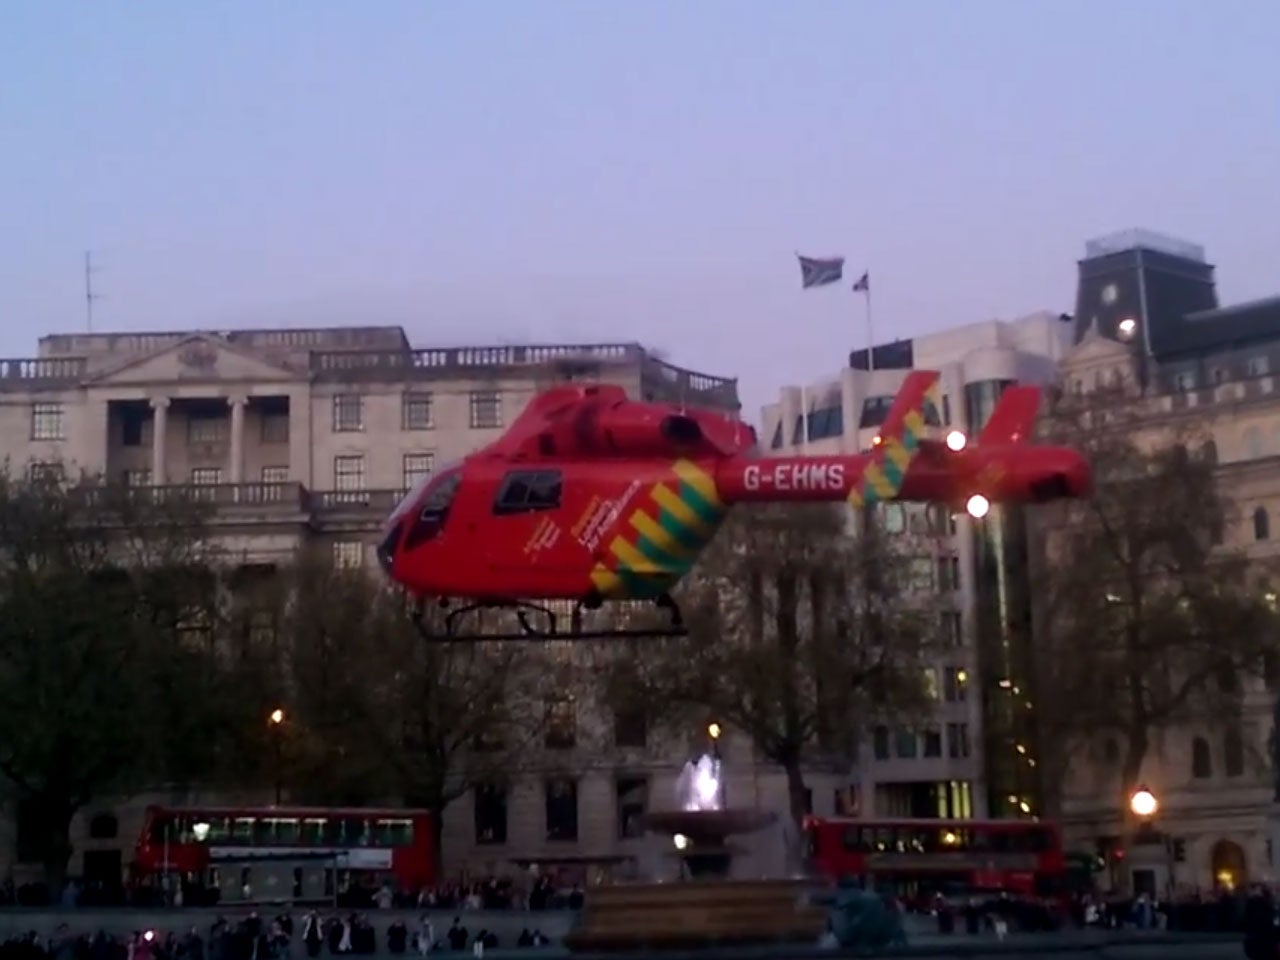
(1109, 293)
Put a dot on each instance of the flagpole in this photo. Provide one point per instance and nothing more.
(804, 419)
(871, 340)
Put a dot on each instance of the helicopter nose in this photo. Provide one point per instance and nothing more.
(387, 548)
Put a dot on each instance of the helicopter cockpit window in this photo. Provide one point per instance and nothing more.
(434, 510)
(526, 490)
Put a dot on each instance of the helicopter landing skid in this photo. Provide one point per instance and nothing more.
(542, 623)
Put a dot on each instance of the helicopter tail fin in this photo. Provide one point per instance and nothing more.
(899, 439)
(1014, 417)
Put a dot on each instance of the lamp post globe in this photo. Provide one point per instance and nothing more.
(1143, 803)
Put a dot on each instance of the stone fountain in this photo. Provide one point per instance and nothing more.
(701, 826)
(707, 908)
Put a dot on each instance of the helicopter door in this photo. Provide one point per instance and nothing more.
(525, 510)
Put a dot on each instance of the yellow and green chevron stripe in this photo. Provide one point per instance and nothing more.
(656, 543)
(882, 479)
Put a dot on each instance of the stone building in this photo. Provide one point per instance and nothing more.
(306, 436)
(1148, 324)
(971, 758)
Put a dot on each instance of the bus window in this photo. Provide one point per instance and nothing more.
(312, 833)
(333, 831)
(328, 882)
(263, 831)
(392, 833)
(297, 882)
(356, 831)
(287, 830)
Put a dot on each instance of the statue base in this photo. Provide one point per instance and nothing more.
(695, 915)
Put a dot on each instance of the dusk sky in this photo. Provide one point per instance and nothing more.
(617, 170)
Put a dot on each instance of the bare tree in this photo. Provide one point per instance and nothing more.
(1146, 619)
(800, 635)
(105, 668)
(377, 712)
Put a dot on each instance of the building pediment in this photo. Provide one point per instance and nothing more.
(201, 357)
(1096, 350)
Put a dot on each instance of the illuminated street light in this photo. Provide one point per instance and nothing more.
(978, 506)
(1127, 327)
(956, 440)
(1143, 803)
(276, 717)
(200, 831)
(681, 841)
(713, 730)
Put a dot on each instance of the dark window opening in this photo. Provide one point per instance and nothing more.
(491, 813)
(632, 801)
(104, 826)
(562, 809)
(526, 490)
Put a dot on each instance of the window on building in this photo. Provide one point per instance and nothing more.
(880, 742)
(133, 426)
(561, 723)
(631, 800)
(348, 554)
(948, 573)
(1201, 761)
(275, 428)
(490, 805)
(348, 472)
(416, 412)
(562, 808)
(957, 740)
(1258, 366)
(875, 410)
(776, 442)
(348, 412)
(1184, 380)
(486, 409)
(920, 573)
(932, 740)
(206, 428)
(104, 826)
(417, 467)
(206, 476)
(40, 472)
(137, 478)
(523, 491)
(1233, 753)
(275, 474)
(955, 684)
(931, 687)
(946, 410)
(1261, 524)
(894, 517)
(952, 629)
(827, 422)
(262, 628)
(630, 727)
(46, 421)
(905, 743)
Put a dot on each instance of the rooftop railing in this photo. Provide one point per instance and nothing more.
(50, 372)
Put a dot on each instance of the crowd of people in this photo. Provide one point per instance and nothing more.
(258, 938)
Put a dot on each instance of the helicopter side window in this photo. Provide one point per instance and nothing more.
(434, 511)
(523, 491)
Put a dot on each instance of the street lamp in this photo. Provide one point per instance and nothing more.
(1143, 803)
(276, 719)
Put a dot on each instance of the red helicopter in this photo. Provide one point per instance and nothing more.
(592, 497)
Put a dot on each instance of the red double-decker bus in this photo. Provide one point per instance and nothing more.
(922, 857)
(287, 853)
